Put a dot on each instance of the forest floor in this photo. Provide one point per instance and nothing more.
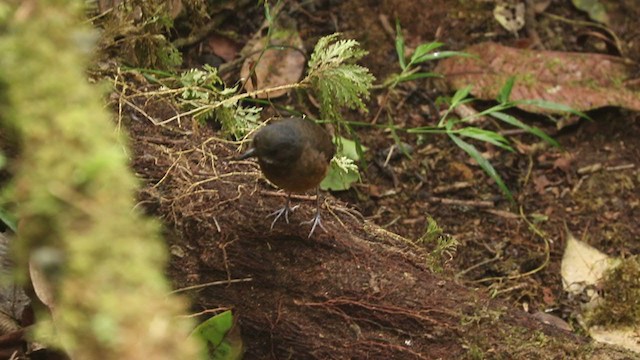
(588, 187)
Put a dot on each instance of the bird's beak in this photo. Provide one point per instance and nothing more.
(251, 152)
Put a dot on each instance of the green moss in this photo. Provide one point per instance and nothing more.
(620, 291)
(75, 194)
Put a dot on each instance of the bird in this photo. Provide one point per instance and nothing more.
(293, 153)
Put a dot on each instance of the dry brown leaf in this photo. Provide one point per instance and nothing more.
(583, 81)
(282, 63)
(223, 47)
(565, 162)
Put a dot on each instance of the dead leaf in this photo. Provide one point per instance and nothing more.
(510, 16)
(281, 63)
(565, 162)
(541, 6)
(541, 182)
(461, 170)
(626, 337)
(223, 47)
(583, 81)
(582, 265)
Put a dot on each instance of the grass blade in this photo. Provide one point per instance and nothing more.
(517, 123)
(400, 46)
(491, 137)
(505, 92)
(483, 163)
(422, 50)
(550, 105)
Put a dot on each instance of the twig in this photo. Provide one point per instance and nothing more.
(469, 203)
(452, 187)
(213, 283)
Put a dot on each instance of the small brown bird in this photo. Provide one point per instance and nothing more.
(294, 154)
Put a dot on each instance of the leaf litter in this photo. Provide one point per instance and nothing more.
(582, 81)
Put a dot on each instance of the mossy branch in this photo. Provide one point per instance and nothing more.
(75, 194)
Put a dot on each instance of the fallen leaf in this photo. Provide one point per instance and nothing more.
(582, 81)
(582, 265)
(541, 182)
(223, 47)
(541, 6)
(510, 16)
(564, 162)
(626, 337)
(281, 63)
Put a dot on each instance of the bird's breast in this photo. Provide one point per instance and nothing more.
(300, 175)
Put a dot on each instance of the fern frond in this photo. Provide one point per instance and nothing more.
(335, 78)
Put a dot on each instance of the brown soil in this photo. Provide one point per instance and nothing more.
(362, 292)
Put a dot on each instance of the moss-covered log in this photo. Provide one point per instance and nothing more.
(75, 194)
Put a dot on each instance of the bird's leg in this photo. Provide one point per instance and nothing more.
(316, 220)
(283, 211)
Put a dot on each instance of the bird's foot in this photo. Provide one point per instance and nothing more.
(315, 221)
(282, 211)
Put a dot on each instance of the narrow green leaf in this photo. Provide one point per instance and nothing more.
(422, 50)
(517, 123)
(482, 162)
(486, 136)
(437, 55)
(552, 106)
(400, 46)
(427, 130)
(505, 92)
(415, 76)
(459, 95)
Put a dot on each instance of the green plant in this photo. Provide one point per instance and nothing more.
(343, 171)
(444, 245)
(220, 337)
(459, 128)
(335, 78)
(410, 70)
(332, 76)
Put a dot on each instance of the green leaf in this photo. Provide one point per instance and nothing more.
(400, 46)
(416, 76)
(8, 220)
(216, 334)
(437, 55)
(339, 179)
(427, 130)
(349, 148)
(517, 123)
(486, 136)
(422, 50)
(557, 107)
(482, 162)
(459, 95)
(505, 92)
(595, 9)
